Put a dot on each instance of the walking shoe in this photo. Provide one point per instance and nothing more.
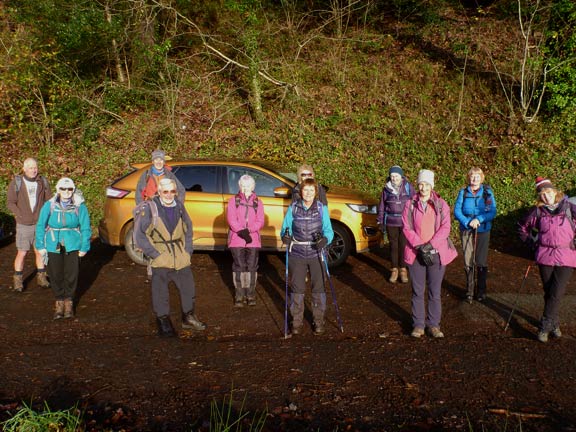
(404, 275)
(319, 328)
(42, 280)
(469, 299)
(542, 336)
(165, 327)
(557, 333)
(190, 321)
(68, 308)
(435, 332)
(18, 283)
(251, 301)
(481, 298)
(393, 275)
(417, 332)
(239, 302)
(296, 330)
(59, 309)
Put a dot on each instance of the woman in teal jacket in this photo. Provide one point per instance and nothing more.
(62, 237)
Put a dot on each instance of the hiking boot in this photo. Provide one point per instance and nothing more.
(251, 301)
(557, 333)
(59, 309)
(319, 328)
(42, 280)
(68, 308)
(481, 298)
(393, 275)
(190, 321)
(239, 301)
(435, 332)
(542, 336)
(165, 327)
(404, 275)
(18, 282)
(469, 299)
(296, 329)
(417, 332)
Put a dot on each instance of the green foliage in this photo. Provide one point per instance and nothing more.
(28, 420)
(226, 418)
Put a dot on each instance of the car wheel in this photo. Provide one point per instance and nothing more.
(340, 247)
(133, 252)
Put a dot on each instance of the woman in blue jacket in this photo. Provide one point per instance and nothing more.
(62, 237)
(475, 209)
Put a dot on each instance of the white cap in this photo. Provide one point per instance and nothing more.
(65, 182)
(426, 176)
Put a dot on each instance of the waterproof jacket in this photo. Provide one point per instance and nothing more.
(19, 204)
(551, 233)
(168, 242)
(303, 224)
(245, 213)
(412, 219)
(66, 226)
(480, 205)
(147, 186)
(392, 203)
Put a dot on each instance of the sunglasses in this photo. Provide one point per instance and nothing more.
(66, 189)
(306, 174)
(166, 192)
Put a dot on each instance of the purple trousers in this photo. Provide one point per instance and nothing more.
(421, 276)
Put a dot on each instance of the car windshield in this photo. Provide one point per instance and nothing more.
(280, 170)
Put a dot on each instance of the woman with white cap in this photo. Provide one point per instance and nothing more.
(549, 228)
(428, 251)
(63, 237)
(395, 193)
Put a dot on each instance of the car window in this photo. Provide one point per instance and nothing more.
(265, 183)
(201, 178)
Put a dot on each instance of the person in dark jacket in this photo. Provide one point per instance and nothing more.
(26, 195)
(147, 186)
(306, 231)
(167, 241)
(475, 209)
(63, 237)
(549, 229)
(394, 195)
(245, 215)
(304, 172)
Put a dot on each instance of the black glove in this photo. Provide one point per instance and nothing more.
(320, 243)
(245, 235)
(424, 254)
(286, 239)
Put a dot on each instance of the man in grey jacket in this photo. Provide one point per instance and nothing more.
(26, 195)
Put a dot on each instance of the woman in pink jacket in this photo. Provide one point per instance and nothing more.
(426, 220)
(549, 228)
(245, 216)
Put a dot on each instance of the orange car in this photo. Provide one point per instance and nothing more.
(209, 185)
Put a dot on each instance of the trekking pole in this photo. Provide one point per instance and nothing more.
(474, 271)
(286, 294)
(323, 256)
(518, 295)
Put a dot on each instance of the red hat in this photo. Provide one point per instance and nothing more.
(543, 183)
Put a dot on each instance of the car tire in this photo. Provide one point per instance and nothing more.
(132, 251)
(341, 246)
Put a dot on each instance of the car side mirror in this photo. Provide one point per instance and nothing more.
(282, 192)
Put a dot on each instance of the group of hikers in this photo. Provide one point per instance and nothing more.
(414, 218)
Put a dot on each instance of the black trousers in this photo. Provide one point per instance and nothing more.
(63, 268)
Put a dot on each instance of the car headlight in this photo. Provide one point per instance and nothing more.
(364, 208)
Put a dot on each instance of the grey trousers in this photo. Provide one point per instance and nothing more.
(431, 276)
(184, 281)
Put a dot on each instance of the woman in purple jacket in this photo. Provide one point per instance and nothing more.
(428, 251)
(245, 216)
(395, 193)
(549, 229)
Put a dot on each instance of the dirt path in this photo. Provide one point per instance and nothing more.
(372, 377)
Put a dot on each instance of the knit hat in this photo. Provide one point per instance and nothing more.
(395, 169)
(158, 154)
(543, 183)
(426, 176)
(65, 182)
